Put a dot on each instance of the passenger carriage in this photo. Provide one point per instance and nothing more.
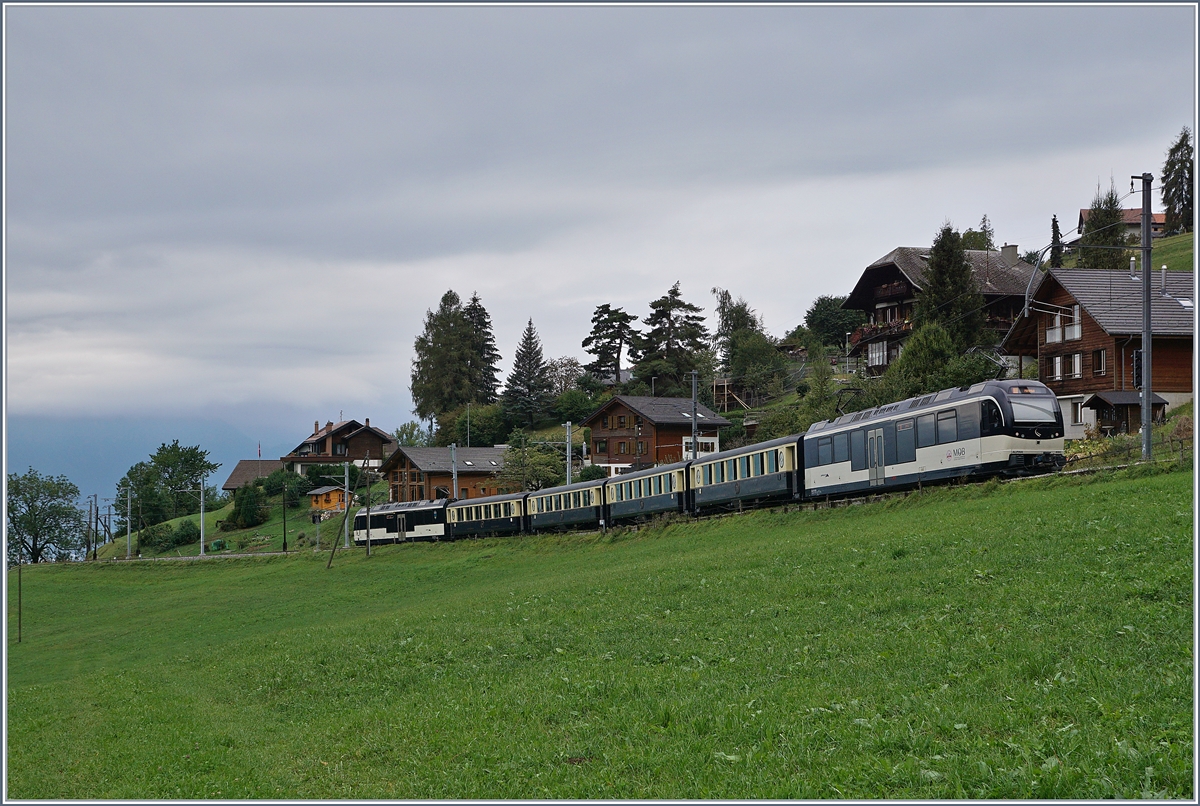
(751, 475)
(494, 515)
(401, 521)
(995, 427)
(575, 506)
(656, 491)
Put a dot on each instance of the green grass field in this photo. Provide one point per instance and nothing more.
(1176, 252)
(1023, 640)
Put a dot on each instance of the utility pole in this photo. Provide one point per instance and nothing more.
(568, 451)
(695, 428)
(367, 471)
(468, 425)
(453, 470)
(285, 482)
(128, 519)
(1147, 335)
(346, 505)
(96, 531)
(87, 533)
(203, 479)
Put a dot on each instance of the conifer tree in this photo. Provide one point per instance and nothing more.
(1104, 227)
(441, 367)
(483, 355)
(1177, 186)
(668, 348)
(1056, 244)
(527, 393)
(984, 238)
(612, 332)
(951, 297)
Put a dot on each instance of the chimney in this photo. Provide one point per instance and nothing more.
(368, 422)
(316, 427)
(329, 425)
(1009, 253)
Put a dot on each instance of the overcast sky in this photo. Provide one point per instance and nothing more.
(243, 213)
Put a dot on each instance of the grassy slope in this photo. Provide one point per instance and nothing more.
(1176, 252)
(1027, 640)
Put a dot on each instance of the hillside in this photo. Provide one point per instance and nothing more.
(1024, 640)
(1176, 252)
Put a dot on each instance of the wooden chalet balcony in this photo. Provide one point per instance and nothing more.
(869, 332)
(890, 290)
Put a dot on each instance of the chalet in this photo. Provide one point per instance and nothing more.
(426, 474)
(1082, 328)
(636, 432)
(247, 470)
(327, 499)
(345, 441)
(1131, 220)
(888, 289)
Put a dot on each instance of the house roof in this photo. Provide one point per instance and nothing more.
(994, 276)
(342, 431)
(1122, 398)
(1114, 300)
(437, 460)
(323, 490)
(247, 470)
(663, 411)
(1131, 217)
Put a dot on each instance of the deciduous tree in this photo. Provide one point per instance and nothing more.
(44, 522)
(983, 238)
(441, 367)
(830, 322)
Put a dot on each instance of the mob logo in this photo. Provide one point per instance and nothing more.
(956, 453)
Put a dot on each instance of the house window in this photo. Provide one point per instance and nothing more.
(339, 449)
(602, 446)
(1055, 367)
(1074, 330)
(622, 447)
(877, 353)
(1077, 413)
(1099, 362)
(641, 448)
(621, 421)
(1074, 365)
(1054, 333)
(604, 421)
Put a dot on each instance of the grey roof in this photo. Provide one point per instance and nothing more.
(994, 276)
(469, 460)
(1114, 300)
(1122, 398)
(322, 490)
(247, 470)
(668, 410)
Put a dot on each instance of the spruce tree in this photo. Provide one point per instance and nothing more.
(527, 393)
(441, 368)
(612, 332)
(483, 355)
(1177, 184)
(1104, 227)
(950, 296)
(1056, 244)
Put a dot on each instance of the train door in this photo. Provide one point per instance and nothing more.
(401, 528)
(875, 456)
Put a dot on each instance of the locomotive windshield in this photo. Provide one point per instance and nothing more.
(1033, 404)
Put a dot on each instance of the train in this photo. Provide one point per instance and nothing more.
(993, 428)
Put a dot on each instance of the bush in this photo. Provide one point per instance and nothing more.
(186, 533)
(591, 473)
(158, 537)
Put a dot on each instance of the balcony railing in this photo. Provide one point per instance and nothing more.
(868, 332)
(896, 289)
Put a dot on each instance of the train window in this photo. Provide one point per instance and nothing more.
(708, 474)
(841, 448)
(858, 450)
(657, 483)
(992, 421)
(968, 421)
(906, 443)
(926, 430)
(772, 462)
(743, 467)
(731, 469)
(719, 472)
(824, 450)
(756, 464)
(947, 427)
(629, 491)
